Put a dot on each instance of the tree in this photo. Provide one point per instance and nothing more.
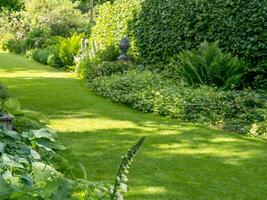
(13, 5)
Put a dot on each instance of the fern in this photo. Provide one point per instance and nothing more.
(208, 65)
(69, 47)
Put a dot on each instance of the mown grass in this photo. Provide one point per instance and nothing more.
(179, 161)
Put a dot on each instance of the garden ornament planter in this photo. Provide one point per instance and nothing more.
(6, 122)
(124, 45)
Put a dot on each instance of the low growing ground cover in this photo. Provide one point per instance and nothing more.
(178, 161)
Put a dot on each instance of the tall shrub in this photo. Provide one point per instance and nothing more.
(59, 16)
(112, 22)
(164, 27)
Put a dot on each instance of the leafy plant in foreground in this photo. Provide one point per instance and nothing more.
(24, 120)
(27, 170)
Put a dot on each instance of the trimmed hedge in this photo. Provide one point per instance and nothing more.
(162, 28)
(165, 27)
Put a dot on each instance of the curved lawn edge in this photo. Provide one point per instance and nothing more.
(178, 161)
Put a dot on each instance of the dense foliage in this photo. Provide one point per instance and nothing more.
(28, 163)
(209, 66)
(111, 22)
(182, 54)
(94, 70)
(11, 4)
(25, 168)
(23, 120)
(59, 17)
(159, 30)
(149, 92)
(237, 25)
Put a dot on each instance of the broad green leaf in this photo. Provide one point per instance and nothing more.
(44, 133)
(8, 160)
(58, 146)
(11, 134)
(44, 143)
(35, 155)
(41, 171)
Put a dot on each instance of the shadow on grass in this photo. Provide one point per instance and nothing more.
(186, 164)
(178, 160)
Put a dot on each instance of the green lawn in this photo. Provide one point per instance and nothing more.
(179, 161)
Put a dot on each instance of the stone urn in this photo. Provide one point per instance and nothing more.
(124, 45)
(6, 121)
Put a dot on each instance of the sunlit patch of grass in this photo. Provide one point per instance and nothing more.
(182, 161)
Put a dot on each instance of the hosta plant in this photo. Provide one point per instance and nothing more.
(28, 170)
(24, 120)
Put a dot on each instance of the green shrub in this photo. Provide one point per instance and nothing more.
(4, 38)
(208, 65)
(11, 5)
(237, 25)
(111, 53)
(257, 76)
(60, 17)
(112, 21)
(41, 55)
(36, 38)
(106, 69)
(148, 92)
(54, 61)
(66, 49)
(14, 46)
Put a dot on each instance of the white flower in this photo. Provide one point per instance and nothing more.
(119, 196)
(123, 187)
(124, 178)
(77, 59)
(111, 190)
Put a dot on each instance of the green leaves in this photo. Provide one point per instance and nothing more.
(44, 138)
(24, 119)
(162, 28)
(149, 92)
(44, 133)
(10, 134)
(208, 65)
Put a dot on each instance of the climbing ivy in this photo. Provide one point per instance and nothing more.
(164, 27)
